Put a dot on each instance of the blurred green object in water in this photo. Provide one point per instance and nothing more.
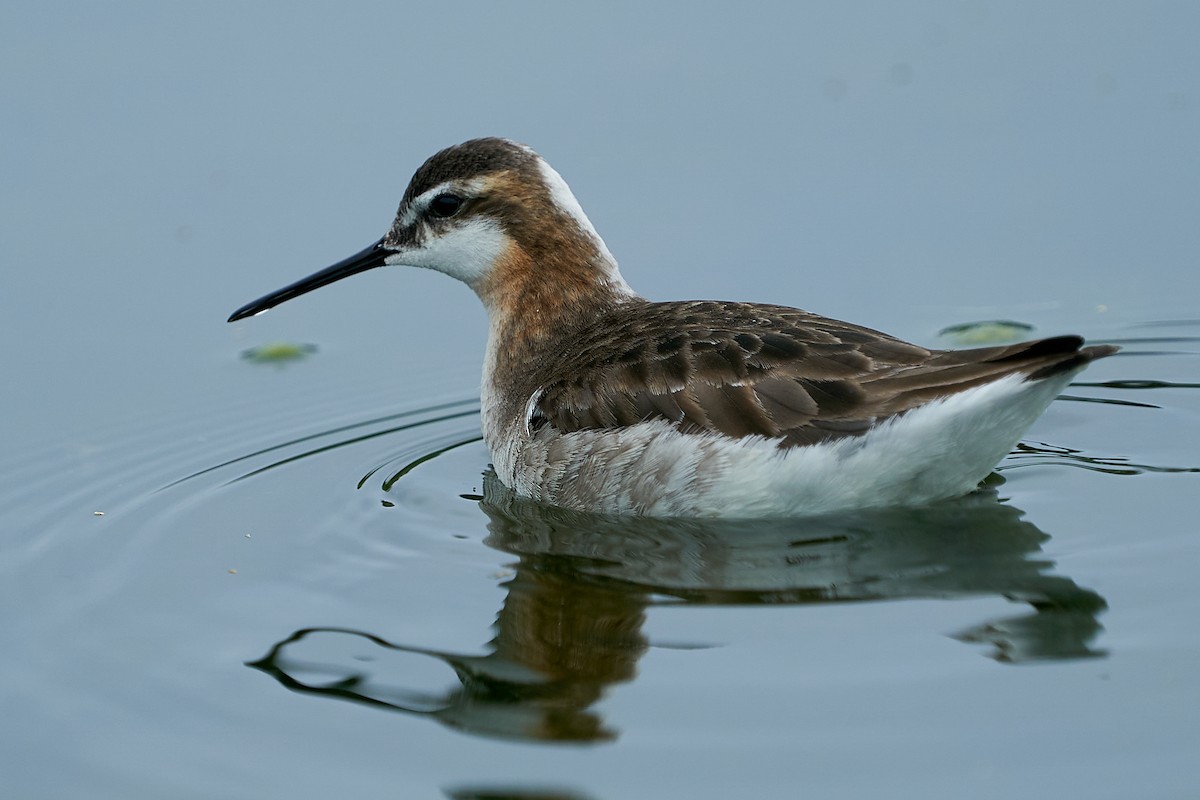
(994, 331)
(278, 352)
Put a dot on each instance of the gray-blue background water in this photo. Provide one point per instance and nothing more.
(292, 587)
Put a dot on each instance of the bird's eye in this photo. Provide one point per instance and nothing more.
(445, 205)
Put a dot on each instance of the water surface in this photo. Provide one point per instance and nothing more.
(224, 577)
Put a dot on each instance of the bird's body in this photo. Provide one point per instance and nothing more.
(597, 399)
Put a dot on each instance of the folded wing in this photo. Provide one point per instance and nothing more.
(755, 370)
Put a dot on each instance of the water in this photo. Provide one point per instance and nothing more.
(223, 577)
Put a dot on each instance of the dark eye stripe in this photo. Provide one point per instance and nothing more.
(445, 205)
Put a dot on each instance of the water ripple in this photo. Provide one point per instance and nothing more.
(572, 622)
(1037, 454)
(461, 409)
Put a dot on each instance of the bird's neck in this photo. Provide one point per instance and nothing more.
(533, 311)
(531, 302)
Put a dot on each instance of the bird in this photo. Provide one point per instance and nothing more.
(597, 399)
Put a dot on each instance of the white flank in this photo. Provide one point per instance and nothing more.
(939, 450)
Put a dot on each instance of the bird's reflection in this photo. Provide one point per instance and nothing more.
(571, 624)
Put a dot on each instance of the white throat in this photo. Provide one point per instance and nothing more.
(467, 252)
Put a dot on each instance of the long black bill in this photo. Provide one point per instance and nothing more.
(361, 261)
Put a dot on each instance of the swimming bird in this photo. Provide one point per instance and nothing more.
(595, 398)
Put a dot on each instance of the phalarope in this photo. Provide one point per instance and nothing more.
(597, 399)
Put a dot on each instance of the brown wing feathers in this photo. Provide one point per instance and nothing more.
(745, 370)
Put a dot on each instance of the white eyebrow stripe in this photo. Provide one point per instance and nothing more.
(421, 202)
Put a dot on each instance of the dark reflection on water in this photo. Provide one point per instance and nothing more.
(571, 624)
(1138, 384)
(1105, 401)
(1126, 384)
(1034, 454)
(511, 793)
